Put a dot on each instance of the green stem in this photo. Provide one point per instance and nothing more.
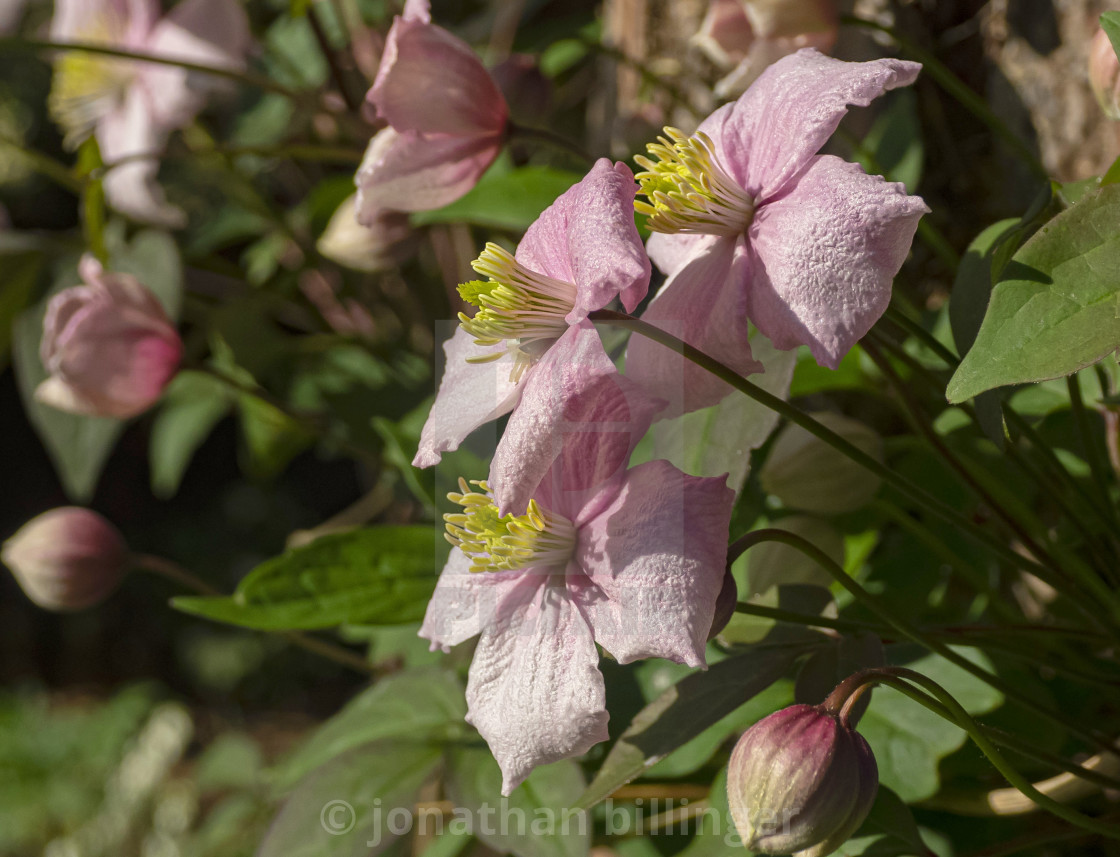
(806, 619)
(178, 575)
(248, 78)
(923, 498)
(542, 135)
(897, 316)
(965, 473)
(1092, 451)
(911, 633)
(298, 151)
(897, 676)
(958, 90)
(46, 166)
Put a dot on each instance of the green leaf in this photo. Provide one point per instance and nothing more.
(355, 804)
(684, 711)
(193, 405)
(272, 438)
(908, 740)
(1110, 23)
(418, 705)
(381, 575)
(535, 820)
(1058, 310)
(504, 198)
(716, 835)
(153, 258)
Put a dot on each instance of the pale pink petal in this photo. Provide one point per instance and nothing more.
(58, 394)
(704, 304)
(464, 602)
(825, 254)
(588, 238)
(410, 172)
(131, 188)
(574, 400)
(790, 112)
(420, 10)
(670, 252)
(469, 395)
(205, 32)
(654, 560)
(534, 690)
(431, 82)
(725, 34)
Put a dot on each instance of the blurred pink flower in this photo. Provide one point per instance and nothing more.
(757, 226)
(530, 348)
(745, 36)
(108, 345)
(447, 119)
(632, 560)
(131, 107)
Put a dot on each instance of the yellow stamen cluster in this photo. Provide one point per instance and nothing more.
(687, 189)
(515, 305)
(86, 86)
(496, 542)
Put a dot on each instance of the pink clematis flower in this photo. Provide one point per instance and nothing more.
(447, 119)
(132, 107)
(758, 226)
(108, 345)
(743, 37)
(530, 348)
(633, 560)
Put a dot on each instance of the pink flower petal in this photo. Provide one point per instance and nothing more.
(206, 32)
(771, 133)
(534, 691)
(825, 254)
(670, 252)
(575, 411)
(131, 188)
(654, 560)
(431, 82)
(704, 304)
(409, 172)
(588, 238)
(464, 602)
(470, 395)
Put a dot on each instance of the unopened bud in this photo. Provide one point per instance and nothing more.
(806, 473)
(1104, 74)
(800, 781)
(67, 559)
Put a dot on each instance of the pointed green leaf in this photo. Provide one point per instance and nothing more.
(381, 575)
(1057, 309)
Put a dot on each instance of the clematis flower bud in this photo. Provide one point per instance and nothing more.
(67, 559)
(1104, 74)
(108, 346)
(806, 473)
(800, 781)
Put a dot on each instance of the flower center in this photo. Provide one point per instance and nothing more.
(88, 86)
(507, 542)
(516, 306)
(687, 189)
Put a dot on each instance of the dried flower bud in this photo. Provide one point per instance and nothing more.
(800, 782)
(1104, 74)
(108, 345)
(806, 473)
(67, 559)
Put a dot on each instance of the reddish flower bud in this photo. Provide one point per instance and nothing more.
(67, 559)
(800, 782)
(108, 345)
(1104, 74)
